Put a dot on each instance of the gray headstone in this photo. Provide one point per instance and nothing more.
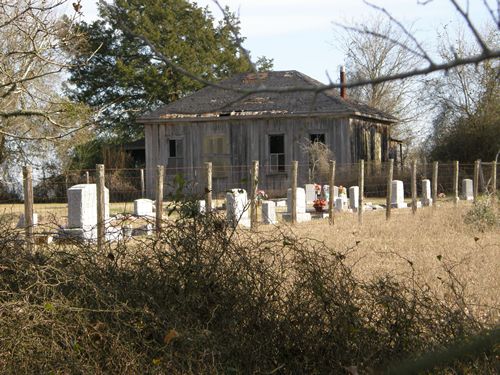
(143, 207)
(341, 204)
(467, 189)
(269, 212)
(82, 206)
(426, 193)
(145, 230)
(354, 197)
(237, 207)
(21, 224)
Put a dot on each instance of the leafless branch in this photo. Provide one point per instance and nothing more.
(467, 19)
(403, 28)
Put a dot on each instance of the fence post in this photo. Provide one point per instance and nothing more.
(494, 179)
(295, 167)
(361, 182)
(208, 188)
(159, 197)
(476, 179)
(143, 185)
(253, 194)
(28, 206)
(388, 198)
(435, 168)
(331, 181)
(455, 183)
(101, 216)
(414, 187)
(87, 177)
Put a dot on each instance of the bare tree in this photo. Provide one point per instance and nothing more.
(32, 63)
(319, 158)
(466, 103)
(411, 43)
(461, 90)
(369, 56)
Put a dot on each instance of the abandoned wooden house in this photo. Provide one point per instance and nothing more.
(231, 129)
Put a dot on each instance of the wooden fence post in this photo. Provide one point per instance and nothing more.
(295, 168)
(455, 183)
(435, 169)
(143, 184)
(253, 194)
(476, 179)
(494, 179)
(87, 177)
(101, 216)
(208, 187)
(414, 187)
(331, 181)
(388, 198)
(159, 198)
(361, 182)
(28, 206)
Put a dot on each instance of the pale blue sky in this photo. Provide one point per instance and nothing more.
(299, 34)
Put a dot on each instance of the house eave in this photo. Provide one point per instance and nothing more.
(216, 116)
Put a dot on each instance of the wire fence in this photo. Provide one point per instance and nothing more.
(126, 185)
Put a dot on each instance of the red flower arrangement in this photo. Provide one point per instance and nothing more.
(319, 204)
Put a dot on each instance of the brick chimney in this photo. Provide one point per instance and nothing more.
(343, 91)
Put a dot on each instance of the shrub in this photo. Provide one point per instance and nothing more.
(204, 298)
(482, 215)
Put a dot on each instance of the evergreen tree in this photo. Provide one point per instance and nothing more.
(118, 70)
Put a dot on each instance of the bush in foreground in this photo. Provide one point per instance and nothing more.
(203, 298)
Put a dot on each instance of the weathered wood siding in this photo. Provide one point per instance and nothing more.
(369, 140)
(248, 139)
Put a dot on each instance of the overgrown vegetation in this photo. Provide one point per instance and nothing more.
(483, 215)
(202, 298)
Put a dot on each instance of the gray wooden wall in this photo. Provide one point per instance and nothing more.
(349, 138)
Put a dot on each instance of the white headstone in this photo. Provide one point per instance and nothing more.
(467, 189)
(269, 212)
(426, 193)
(237, 207)
(281, 203)
(398, 195)
(335, 192)
(310, 194)
(201, 206)
(302, 215)
(143, 207)
(354, 197)
(82, 206)
(341, 204)
(301, 200)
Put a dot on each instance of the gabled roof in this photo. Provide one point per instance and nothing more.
(213, 101)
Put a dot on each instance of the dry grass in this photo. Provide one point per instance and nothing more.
(201, 298)
(428, 243)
